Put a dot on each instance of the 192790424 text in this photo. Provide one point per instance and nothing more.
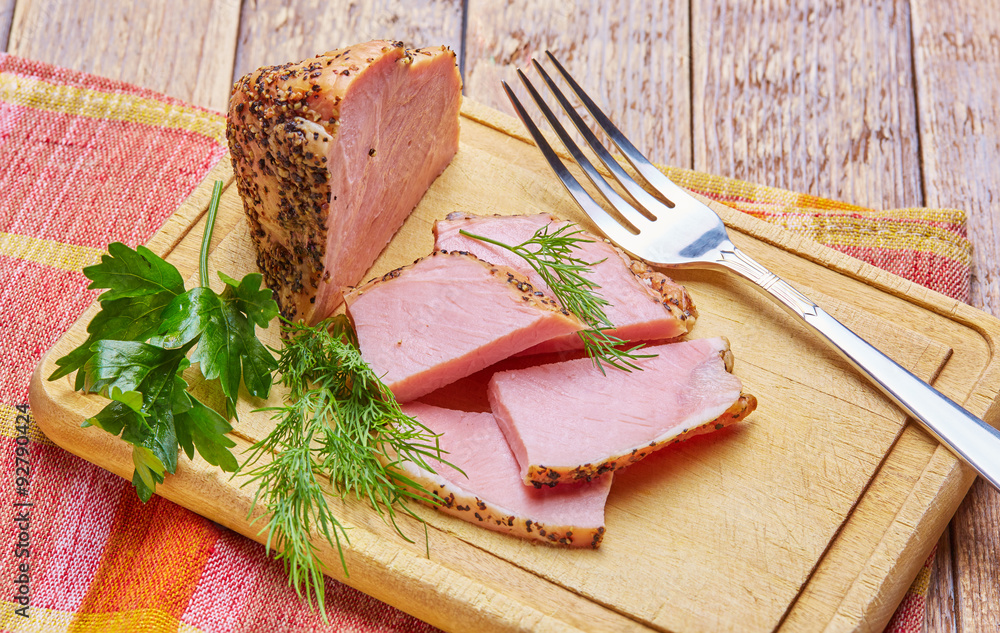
(22, 511)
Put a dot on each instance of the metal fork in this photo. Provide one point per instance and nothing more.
(684, 233)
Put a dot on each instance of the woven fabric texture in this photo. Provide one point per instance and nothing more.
(85, 161)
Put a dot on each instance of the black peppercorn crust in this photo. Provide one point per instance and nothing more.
(283, 122)
(450, 499)
(540, 475)
(517, 284)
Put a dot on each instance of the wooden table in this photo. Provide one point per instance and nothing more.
(883, 104)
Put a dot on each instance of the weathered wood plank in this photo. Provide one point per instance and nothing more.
(6, 17)
(956, 58)
(183, 48)
(633, 59)
(814, 97)
(976, 546)
(279, 31)
(939, 616)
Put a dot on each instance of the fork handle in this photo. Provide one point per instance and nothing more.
(971, 439)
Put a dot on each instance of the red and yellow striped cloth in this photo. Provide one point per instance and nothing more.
(85, 161)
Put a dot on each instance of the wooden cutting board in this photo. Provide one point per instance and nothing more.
(817, 512)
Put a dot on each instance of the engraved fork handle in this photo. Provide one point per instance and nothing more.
(972, 440)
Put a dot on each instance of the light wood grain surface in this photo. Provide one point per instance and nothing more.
(879, 103)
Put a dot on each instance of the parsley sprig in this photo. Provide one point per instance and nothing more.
(551, 256)
(340, 422)
(148, 332)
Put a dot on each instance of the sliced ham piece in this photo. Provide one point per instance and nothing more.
(644, 305)
(566, 421)
(447, 316)
(491, 493)
(331, 154)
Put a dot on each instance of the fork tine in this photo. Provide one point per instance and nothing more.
(629, 212)
(609, 225)
(641, 164)
(640, 195)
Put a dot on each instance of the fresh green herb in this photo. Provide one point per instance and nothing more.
(338, 421)
(551, 256)
(137, 350)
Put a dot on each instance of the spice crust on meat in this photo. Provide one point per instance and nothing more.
(285, 130)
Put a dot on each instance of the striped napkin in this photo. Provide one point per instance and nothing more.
(85, 161)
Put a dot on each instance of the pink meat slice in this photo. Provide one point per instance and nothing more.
(445, 317)
(331, 154)
(491, 493)
(644, 305)
(566, 421)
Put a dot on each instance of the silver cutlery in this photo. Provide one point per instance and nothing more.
(682, 232)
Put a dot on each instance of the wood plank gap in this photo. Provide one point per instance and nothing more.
(691, 101)
(235, 73)
(939, 612)
(956, 53)
(956, 587)
(917, 116)
(463, 42)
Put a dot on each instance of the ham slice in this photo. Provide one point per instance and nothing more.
(566, 421)
(491, 493)
(645, 305)
(447, 316)
(331, 154)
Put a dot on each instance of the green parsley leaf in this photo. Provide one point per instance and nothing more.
(136, 352)
(130, 318)
(151, 371)
(124, 409)
(256, 302)
(202, 427)
(75, 360)
(186, 318)
(126, 364)
(133, 273)
(144, 418)
(148, 472)
(132, 315)
(228, 348)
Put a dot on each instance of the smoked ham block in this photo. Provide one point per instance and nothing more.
(490, 492)
(644, 305)
(567, 421)
(331, 154)
(447, 316)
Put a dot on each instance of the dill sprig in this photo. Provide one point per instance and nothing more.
(551, 256)
(338, 423)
